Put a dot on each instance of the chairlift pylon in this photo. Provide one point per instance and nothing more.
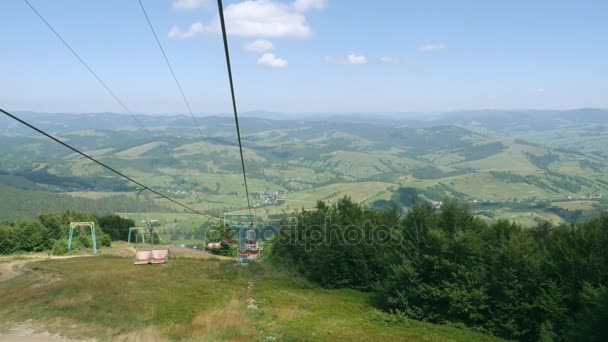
(81, 225)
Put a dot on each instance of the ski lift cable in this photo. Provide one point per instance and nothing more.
(67, 45)
(162, 50)
(236, 116)
(14, 117)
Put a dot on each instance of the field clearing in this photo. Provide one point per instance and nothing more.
(573, 167)
(363, 165)
(220, 183)
(98, 194)
(526, 218)
(355, 141)
(233, 183)
(197, 299)
(83, 167)
(94, 153)
(576, 205)
(411, 181)
(283, 172)
(204, 202)
(384, 195)
(78, 167)
(164, 181)
(442, 158)
(184, 220)
(137, 151)
(512, 159)
(485, 186)
(357, 191)
(206, 148)
(88, 133)
(572, 138)
(219, 203)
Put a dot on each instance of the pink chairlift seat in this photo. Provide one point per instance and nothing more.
(159, 256)
(143, 257)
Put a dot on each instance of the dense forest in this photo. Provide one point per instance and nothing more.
(49, 232)
(546, 283)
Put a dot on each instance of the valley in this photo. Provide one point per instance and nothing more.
(523, 170)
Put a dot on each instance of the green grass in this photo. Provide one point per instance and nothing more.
(576, 205)
(167, 220)
(293, 309)
(527, 218)
(198, 299)
(88, 133)
(511, 159)
(206, 148)
(137, 151)
(109, 295)
(363, 165)
(485, 186)
(283, 172)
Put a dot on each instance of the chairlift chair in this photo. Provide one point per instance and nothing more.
(247, 245)
(153, 256)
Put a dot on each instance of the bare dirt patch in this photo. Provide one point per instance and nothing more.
(11, 269)
(28, 332)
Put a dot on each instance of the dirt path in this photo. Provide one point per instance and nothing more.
(11, 269)
(27, 332)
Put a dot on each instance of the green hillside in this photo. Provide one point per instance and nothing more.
(293, 163)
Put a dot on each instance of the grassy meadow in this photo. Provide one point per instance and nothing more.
(106, 297)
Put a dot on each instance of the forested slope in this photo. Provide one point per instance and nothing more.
(448, 266)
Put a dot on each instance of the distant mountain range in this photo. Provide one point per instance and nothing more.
(500, 120)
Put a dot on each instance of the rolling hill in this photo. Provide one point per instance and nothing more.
(519, 165)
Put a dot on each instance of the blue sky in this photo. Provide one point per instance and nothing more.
(310, 55)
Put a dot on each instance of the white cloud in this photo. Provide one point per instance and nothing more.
(389, 59)
(540, 90)
(269, 59)
(353, 58)
(305, 5)
(194, 30)
(259, 45)
(264, 18)
(432, 47)
(188, 4)
(267, 18)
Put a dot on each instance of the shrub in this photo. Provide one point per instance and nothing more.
(60, 247)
